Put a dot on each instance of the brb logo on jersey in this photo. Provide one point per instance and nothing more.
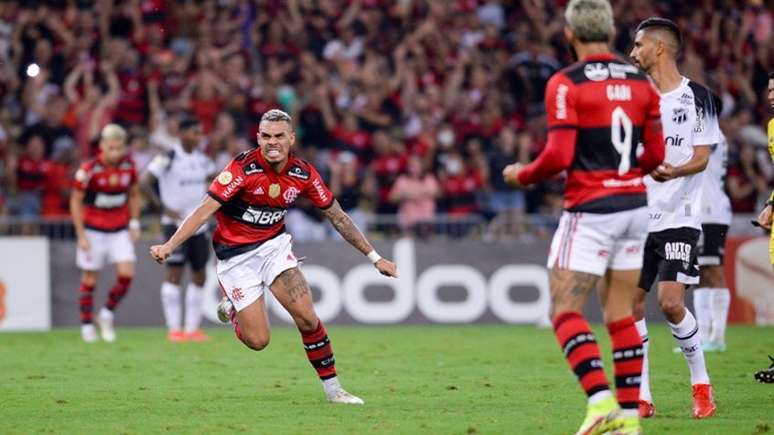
(678, 251)
(263, 217)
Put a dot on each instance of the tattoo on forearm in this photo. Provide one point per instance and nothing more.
(348, 230)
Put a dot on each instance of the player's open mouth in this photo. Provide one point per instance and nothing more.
(273, 152)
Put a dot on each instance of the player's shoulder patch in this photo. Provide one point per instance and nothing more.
(252, 168)
(300, 169)
(126, 163)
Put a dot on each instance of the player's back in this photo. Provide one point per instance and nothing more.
(716, 206)
(608, 102)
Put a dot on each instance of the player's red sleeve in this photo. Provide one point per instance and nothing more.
(228, 183)
(652, 136)
(317, 191)
(562, 120)
(82, 177)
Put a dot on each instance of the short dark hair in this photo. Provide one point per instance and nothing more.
(188, 122)
(664, 24)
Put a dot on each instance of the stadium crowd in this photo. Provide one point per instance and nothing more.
(409, 107)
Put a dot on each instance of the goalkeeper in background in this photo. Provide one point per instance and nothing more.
(764, 219)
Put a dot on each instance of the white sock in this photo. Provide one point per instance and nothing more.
(170, 301)
(686, 334)
(702, 306)
(642, 329)
(331, 385)
(194, 296)
(600, 396)
(105, 313)
(721, 299)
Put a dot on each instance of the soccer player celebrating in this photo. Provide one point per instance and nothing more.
(182, 174)
(712, 298)
(250, 198)
(105, 207)
(600, 110)
(689, 116)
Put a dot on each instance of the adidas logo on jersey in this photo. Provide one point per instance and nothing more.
(258, 191)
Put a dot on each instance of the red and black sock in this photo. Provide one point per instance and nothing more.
(581, 350)
(118, 292)
(319, 351)
(627, 361)
(86, 302)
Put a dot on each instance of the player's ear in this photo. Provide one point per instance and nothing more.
(569, 35)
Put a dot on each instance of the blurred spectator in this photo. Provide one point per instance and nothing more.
(51, 129)
(29, 180)
(415, 193)
(508, 204)
(448, 81)
(57, 182)
(746, 182)
(348, 187)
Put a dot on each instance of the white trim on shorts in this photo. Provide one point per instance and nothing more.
(596, 242)
(110, 247)
(245, 277)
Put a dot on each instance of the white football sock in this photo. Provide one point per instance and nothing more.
(599, 396)
(702, 306)
(194, 296)
(686, 334)
(331, 385)
(721, 299)
(642, 329)
(170, 301)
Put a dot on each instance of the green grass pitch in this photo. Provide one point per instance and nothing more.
(415, 380)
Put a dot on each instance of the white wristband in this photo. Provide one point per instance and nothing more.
(374, 256)
(134, 224)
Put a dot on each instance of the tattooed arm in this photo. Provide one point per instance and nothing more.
(349, 231)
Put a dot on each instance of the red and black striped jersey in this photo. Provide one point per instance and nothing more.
(255, 199)
(107, 192)
(605, 130)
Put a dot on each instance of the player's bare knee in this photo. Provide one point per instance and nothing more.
(672, 307)
(89, 277)
(198, 277)
(174, 275)
(256, 341)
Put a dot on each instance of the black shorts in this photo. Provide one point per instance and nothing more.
(670, 255)
(712, 244)
(195, 250)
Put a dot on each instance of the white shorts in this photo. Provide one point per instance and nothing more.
(113, 247)
(594, 243)
(245, 277)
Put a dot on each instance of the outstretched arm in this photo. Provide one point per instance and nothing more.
(189, 226)
(349, 231)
